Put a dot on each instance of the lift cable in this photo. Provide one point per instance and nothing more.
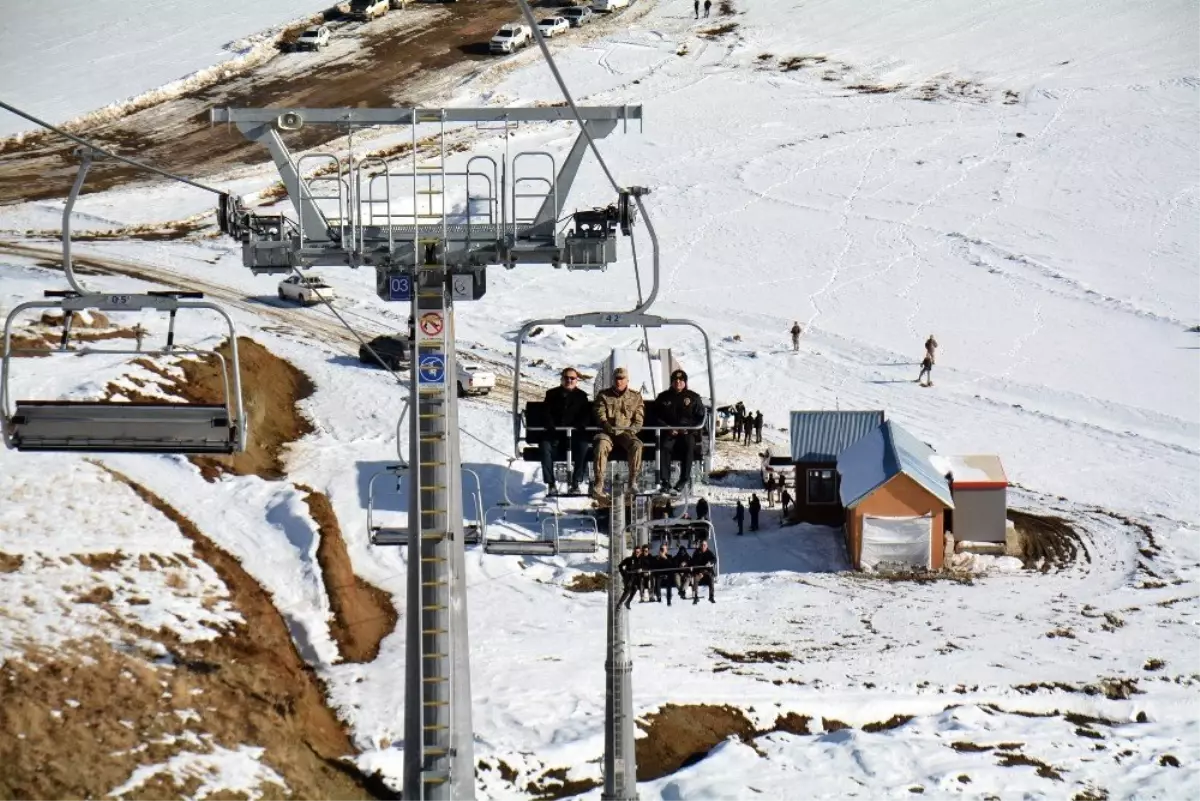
(132, 162)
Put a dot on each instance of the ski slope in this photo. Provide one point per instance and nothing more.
(1017, 177)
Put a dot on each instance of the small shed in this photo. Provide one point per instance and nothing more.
(817, 439)
(980, 490)
(895, 500)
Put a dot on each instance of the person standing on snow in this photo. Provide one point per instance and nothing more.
(758, 424)
(926, 371)
(702, 509)
(748, 427)
(739, 514)
(931, 349)
(770, 489)
(785, 500)
(707, 7)
(696, 8)
(796, 332)
(755, 507)
(628, 568)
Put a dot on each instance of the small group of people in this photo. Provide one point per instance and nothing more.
(777, 484)
(619, 412)
(927, 363)
(739, 513)
(696, 7)
(647, 574)
(746, 425)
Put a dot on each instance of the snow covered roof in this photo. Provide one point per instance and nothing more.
(820, 436)
(976, 471)
(880, 455)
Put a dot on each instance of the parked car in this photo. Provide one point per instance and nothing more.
(578, 15)
(553, 26)
(474, 381)
(608, 6)
(393, 352)
(305, 289)
(368, 9)
(511, 38)
(314, 38)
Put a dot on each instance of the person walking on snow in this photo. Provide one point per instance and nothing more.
(931, 349)
(707, 6)
(696, 8)
(770, 489)
(755, 507)
(739, 514)
(748, 425)
(758, 423)
(629, 577)
(796, 332)
(926, 371)
(785, 500)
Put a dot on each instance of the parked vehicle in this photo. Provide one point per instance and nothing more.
(552, 26)
(314, 38)
(511, 38)
(305, 289)
(368, 9)
(394, 352)
(474, 381)
(578, 15)
(608, 6)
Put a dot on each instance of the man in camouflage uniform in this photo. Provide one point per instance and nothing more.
(619, 412)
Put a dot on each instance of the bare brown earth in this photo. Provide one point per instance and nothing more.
(391, 69)
(363, 614)
(121, 708)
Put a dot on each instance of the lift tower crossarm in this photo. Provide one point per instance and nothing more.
(410, 116)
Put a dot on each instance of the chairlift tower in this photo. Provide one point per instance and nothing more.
(430, 254)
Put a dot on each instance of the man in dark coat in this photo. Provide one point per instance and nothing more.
(758, 421)
(568, 411)
(628, 568)
(702, 509)
(739, 514)
(661, 577)
(796, 332)
(646, 565)
(703, 570)
(682, 562)
(785, 500)
(926, 371)
(770, 488)
(748, 428)
(755, 507)
(678, 406)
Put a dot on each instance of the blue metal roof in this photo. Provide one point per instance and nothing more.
(822, 436)
(883, 453)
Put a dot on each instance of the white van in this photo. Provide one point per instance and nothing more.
(608, 6)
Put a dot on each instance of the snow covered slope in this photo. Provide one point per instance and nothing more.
(1017, 177)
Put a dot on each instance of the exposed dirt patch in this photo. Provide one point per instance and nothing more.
(719, 31)
(894, 722)
(78, 321)
(100, 561)
(555, 784)
(588, 582)
(793, 723)
(725, 7)
(678, 736)
(755, 656)
(1043, 770)
(875, 89)
(1047, 542)
(833, 724)
(800, 62)
(11, 562)
(118, 709)
(363, 614)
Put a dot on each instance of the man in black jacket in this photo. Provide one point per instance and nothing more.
(755, 508)
(681, 562)
(646, 564)
(568, 411)
(758, 423)
(678, 406)
(630, 577)
(702, 509)
(703, 566)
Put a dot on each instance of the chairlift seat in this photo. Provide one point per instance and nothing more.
(389, 536)
(520, 547)
(138, 427)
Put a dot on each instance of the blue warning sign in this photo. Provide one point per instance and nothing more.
(432, 369)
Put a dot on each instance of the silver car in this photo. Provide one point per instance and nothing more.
(577, 15)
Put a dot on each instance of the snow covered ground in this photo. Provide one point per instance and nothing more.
(1017, 177)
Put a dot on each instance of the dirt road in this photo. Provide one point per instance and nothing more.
(399, 61)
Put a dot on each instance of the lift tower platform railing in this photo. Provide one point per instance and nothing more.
(429, 244)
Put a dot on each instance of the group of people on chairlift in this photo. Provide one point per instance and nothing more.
(619, 412)
(647, 575)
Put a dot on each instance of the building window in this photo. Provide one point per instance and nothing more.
(822, 487)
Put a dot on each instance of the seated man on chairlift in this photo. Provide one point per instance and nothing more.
(620, 413)
(568, 413)
(678, 406)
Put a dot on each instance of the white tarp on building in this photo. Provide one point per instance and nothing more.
(890, 541)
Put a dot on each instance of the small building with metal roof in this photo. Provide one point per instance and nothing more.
(895, 497)
(817, 439)
(980, 489)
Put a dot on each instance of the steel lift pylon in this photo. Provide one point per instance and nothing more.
(431, 253)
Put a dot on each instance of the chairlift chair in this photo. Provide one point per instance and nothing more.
(529, 423)
(473, 533)
(689, 533)
(118, 427)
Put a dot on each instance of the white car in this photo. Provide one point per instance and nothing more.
(511, 38)
(609, 6)
(474, 381)
(554, 26)
(305, 289)
(314, 38)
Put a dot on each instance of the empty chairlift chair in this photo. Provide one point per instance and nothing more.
(381, 534)
(123, 427)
